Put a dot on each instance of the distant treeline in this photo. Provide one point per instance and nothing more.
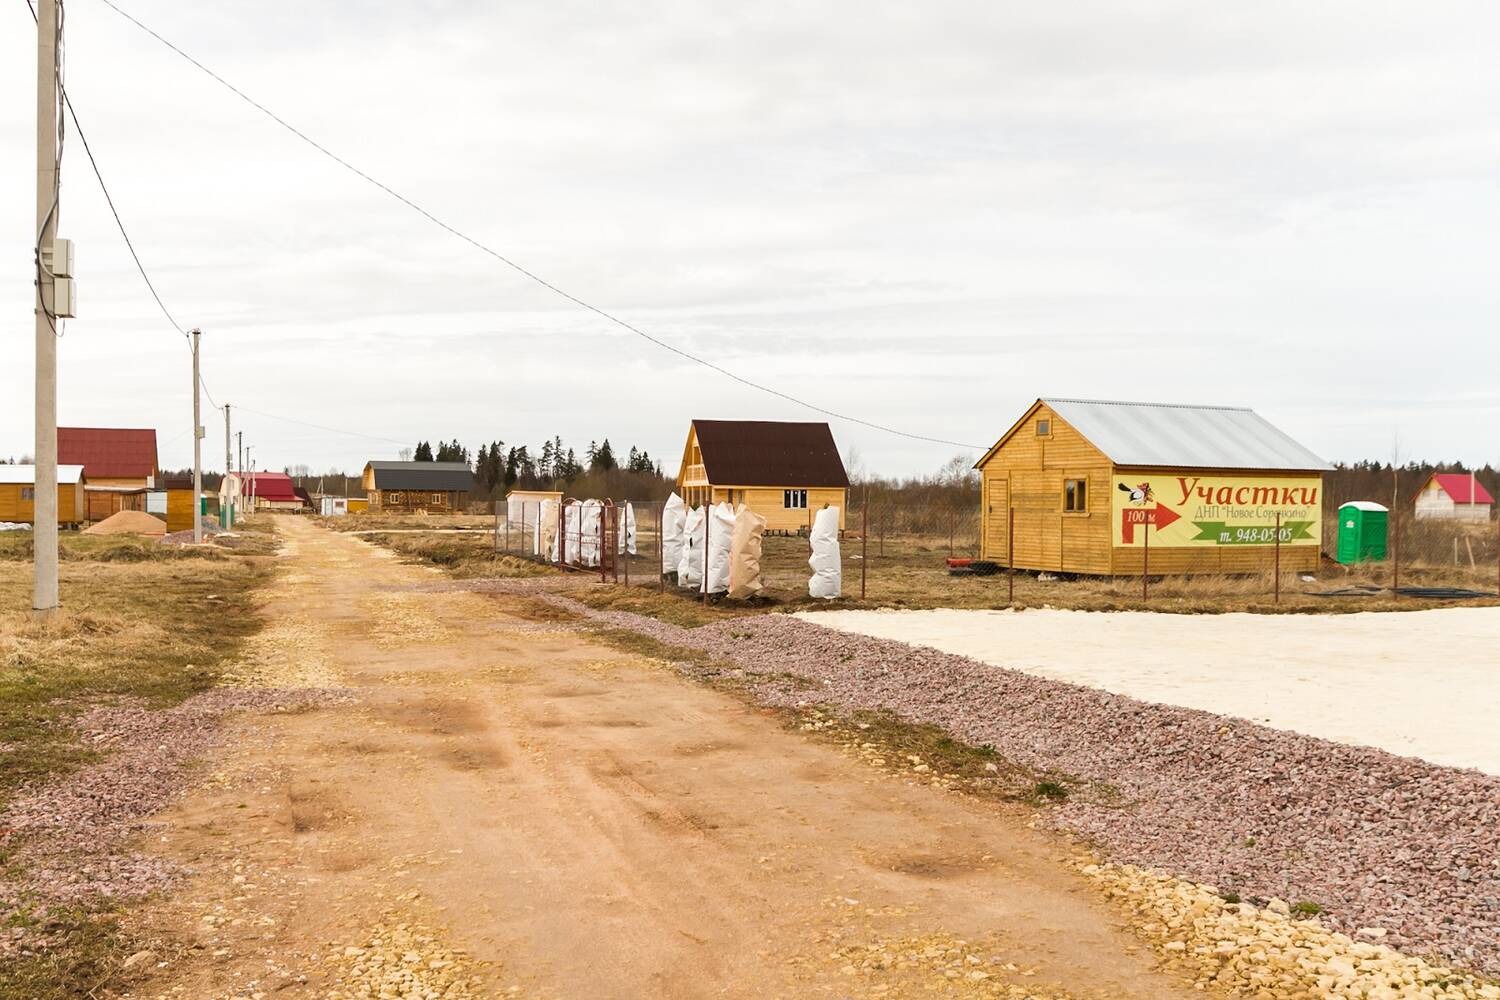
(1385, 483)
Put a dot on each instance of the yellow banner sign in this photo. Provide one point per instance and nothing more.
(1191, 511)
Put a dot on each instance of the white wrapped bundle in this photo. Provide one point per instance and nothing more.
(673, 514)
(720, 534)
(827, 579)
(690, 565)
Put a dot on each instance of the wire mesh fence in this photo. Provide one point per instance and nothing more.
(899, 553)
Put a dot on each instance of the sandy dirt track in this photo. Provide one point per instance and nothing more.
(516, 810)
(1420, 684)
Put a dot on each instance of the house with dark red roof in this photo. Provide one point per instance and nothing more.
(119, 464)
(783, 470)
(270, 491)
(1453, 496)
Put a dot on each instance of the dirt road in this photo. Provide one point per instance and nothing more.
(513, 809)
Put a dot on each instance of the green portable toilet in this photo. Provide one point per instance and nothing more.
(1362, 531)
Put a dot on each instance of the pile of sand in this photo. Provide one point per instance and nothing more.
(128, 522)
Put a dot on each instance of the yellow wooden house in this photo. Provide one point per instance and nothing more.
(785, 471)
(1111, 488)
(18, 494)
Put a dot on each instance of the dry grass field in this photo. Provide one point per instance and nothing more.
(142, 623)
(910, 571)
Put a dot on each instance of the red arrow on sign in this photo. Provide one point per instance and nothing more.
(1158, 516)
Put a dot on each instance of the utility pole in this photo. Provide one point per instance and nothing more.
(44, 600)
(239, 438)
(224, 488)
(197, 450)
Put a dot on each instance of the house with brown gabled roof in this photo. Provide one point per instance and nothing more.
(785, 471)
(119, 463)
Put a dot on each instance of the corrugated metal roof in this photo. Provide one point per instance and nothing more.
(440, 476)
(271, 486)
(109, 452)
(25, 475)
(1202, 437)
(770, 453)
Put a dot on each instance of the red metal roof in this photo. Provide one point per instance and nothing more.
(1457, 484)
(109, 452)
(274, 486)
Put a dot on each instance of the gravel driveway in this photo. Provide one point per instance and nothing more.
(1420, 684)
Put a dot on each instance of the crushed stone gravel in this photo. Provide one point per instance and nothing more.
(1372, 839)
(71, 835)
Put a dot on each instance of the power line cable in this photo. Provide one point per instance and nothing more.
(322, 427)
(623, 324)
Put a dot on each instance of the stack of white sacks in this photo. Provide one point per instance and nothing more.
(733, 541)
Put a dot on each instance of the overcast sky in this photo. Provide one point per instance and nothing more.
(925, 215)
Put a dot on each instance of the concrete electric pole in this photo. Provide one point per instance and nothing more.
(44, 486)
(224, 488)
(197, 450)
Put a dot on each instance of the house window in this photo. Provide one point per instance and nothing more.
(437, 498)
(1076, 495)
(1044, 428)
(28, 492)
(393, 496)
(794, 499)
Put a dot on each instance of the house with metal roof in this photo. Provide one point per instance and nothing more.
(18, 494)
(434, 487)
(118, 462)
(785, 471)
(1116, 488)
(1453, 496)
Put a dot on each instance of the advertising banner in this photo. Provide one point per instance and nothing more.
(1188, 511)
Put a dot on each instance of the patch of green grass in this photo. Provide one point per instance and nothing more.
(83, 951)
(1306, 909)
(1049, 791)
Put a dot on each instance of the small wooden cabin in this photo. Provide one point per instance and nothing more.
(783, 470)
(18, 494)
(1453, 496)
(434, 487)
(118, 462)
(1091, 484)
(179, 509)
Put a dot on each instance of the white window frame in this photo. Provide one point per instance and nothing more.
(794, 499)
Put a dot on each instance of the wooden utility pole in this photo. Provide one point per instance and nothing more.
(44, 601)
(197, 449)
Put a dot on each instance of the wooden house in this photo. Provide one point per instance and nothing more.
(272, 491)
(434, 487)
(784, 471)
(179, 505)
(1453, 496)
(1091, 485)
(18, 494)
(119, 464)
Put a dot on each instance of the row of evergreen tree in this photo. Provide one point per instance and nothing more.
(497, 467)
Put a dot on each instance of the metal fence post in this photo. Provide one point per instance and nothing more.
(1145, 558)
(1010, 555)
(707, 516)
(1276, 590)
(864, 543)
(497, 525)
(661, 553)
